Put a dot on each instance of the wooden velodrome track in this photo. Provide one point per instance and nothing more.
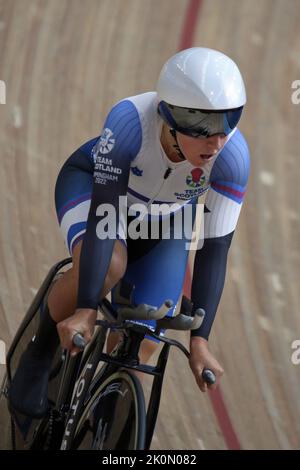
(65, 62)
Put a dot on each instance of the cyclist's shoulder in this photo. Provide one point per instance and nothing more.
(236, 150)
(233, 162)
(140, 106)
(127, 123)
(143, 99)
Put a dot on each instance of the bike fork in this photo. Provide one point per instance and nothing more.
(154, 401)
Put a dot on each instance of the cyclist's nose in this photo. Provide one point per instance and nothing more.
(216, 142)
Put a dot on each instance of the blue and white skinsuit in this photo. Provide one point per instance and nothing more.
(128, 160)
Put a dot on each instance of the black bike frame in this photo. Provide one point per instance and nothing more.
(33, 308)
(125, 357)
(132, 345)
(82, 368)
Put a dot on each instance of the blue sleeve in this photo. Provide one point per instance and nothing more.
(230, 173)
(208, 280)
(229, 179)
(113, 152)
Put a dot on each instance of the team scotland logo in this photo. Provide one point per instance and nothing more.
(136, 171)
(106, 142)
(196, 179)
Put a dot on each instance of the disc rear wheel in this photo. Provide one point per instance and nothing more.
(115, 417)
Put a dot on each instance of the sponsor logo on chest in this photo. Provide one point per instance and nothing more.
(196, 181)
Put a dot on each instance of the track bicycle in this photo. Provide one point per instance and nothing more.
(96, 400)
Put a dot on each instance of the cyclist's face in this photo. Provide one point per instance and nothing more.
(199, 151)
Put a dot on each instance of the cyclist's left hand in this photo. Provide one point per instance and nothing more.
(83, 322)
(200, 358)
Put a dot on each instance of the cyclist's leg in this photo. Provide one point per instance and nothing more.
(137, 250)
(147, 349)
(72, 198)
(157, 269)
(163, 281)
(63, 296)
(28, 391)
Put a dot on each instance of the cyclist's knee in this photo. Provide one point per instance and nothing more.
(147, 349)
(116, 268)
(113, 339)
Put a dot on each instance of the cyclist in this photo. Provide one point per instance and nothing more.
(168, 146)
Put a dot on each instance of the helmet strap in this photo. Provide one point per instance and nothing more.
(176, 146)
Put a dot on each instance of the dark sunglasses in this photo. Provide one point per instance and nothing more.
(198, 122)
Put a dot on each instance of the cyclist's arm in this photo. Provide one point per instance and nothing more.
(116, 148)
(222, 208)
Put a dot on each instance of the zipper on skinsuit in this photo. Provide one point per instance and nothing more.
(166, 176)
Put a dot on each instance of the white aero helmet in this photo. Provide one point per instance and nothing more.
(201, 92)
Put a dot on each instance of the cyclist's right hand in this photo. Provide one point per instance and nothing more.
(200, 358)
(83, 322)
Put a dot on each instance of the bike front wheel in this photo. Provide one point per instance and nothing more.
(115, 416)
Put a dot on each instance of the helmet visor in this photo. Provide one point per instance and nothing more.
(197, 122)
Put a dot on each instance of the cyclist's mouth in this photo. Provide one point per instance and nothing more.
(206, 156)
